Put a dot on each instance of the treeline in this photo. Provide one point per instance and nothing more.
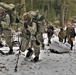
(52, 9)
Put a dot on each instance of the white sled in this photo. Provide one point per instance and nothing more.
(59, 47)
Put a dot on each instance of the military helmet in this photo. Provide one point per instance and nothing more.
(7, 6)
(12, 6)
(33, 13)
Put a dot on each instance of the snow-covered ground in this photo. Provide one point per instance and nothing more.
(49, 64)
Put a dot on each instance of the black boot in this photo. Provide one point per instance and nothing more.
(10, 52)
(43, 46)
(70, 48)
(49, 42)
(1, 45)
(37, 42)
(29, 53)
(36, 59)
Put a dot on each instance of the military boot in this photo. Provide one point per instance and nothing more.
(29, 53)
(71, 48)
(10, 52)
(1, 45)
(43, 46)
(36, 59)
(49, 41)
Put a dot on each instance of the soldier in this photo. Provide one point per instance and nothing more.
(50, 31)
(10, 9)
(1, 28)
(70, 34)
(29, 36)
(61, 35)
(40, 20)
(5, 28)
(8, 13)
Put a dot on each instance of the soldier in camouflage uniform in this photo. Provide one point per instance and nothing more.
(61, 35)
(1, 28)
(10, 9)
(29, 36)
(5, 22)
(5, 28)
(41, 28)
(40, 20)
(50, 31)
(70, 34)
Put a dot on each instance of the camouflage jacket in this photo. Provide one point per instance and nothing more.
(70, 31)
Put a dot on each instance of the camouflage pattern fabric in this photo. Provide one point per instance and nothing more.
(61, 35)
(28, 36)
(70, 33)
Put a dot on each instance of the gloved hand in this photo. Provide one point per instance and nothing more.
(25, 25)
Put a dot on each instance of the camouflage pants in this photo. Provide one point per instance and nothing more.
(25, 45)
(49, 37)
(40, 38)
(70, 41)
(36, 48)
(1, 29)
(7, 35)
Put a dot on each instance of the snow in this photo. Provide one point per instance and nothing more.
(49, 64)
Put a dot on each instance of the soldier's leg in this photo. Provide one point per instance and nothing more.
(1, 45)
(36, 51)
(40, 38)
(24, 44)
(65, 38)
(71, 43)
(8, 37)
(30, 52)
(42, 42)
(49, 37)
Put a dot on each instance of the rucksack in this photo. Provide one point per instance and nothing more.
(9, 9)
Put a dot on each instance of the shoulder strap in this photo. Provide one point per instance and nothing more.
(36, 21)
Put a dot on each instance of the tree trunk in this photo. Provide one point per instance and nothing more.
(23, 7)
(62, 13)
(31, 4)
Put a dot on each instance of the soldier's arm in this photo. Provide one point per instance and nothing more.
(6, 20)
(33, 28)
(74, 31)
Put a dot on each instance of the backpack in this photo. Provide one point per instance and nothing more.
(9, 9)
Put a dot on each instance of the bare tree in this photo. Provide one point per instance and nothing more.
(23, 6)
(31, 4)
(62, 13)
